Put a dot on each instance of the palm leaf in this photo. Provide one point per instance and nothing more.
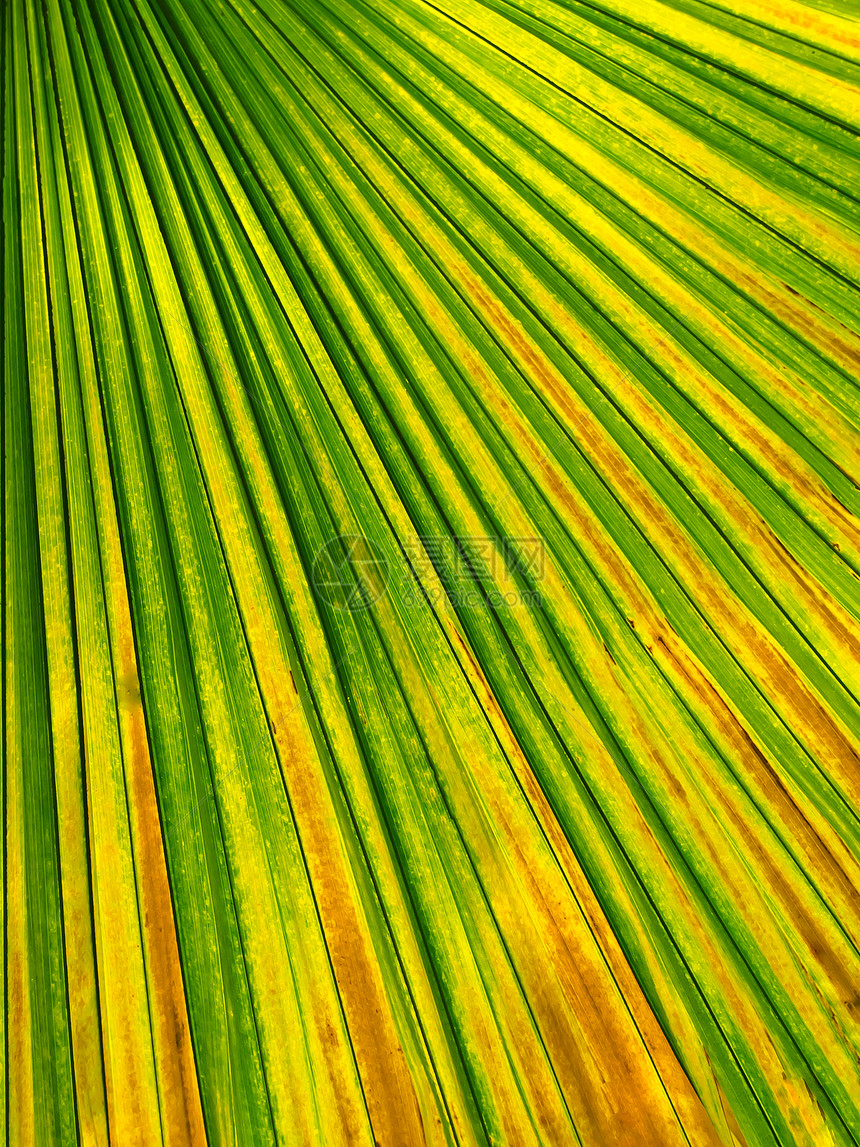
(430, 572)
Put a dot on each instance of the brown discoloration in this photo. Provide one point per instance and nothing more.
(388, 1088)
(182, 1114)
(655, 636)
(806, 319)
(838, 876)
(723, 609)
(599, 1028)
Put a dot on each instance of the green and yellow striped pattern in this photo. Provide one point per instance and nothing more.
(431, 573)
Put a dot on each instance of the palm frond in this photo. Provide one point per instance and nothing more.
(431, 617)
